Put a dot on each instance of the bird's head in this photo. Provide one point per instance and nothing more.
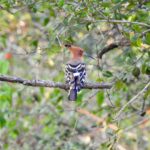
(76, 52)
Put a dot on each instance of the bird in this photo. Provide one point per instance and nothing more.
(75, 71)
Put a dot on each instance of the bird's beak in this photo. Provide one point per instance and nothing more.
(67, 45)
(88, 55)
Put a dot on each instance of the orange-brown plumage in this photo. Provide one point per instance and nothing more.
(77, 52)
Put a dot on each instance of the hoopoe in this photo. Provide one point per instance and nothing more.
(75, 71)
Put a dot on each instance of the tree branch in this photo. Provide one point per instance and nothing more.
(133, 99)
(107, 49)
(51, 84)
(123, 42)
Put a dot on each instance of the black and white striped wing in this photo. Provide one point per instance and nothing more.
(82, 71)
(75, 71)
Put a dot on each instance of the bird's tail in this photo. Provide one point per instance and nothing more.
(72, 96)
(74, 89)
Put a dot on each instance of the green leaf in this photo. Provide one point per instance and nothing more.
(88, 26)
(2, 120)
(61, 3)
(46, 21)
(143, 68)
(34, 43)
(120, 85)
(147, 94)
(136, 41)
(100, 98)
(80, 97)
(137, 28)
(52, 12)
(107, 74)
(106, 4)
(4, 66)
(3, 39)
(148, 38)
(116, 1)
(136, 71)
(5, 96)
(139, 42)
(146, 69)
(56, 97)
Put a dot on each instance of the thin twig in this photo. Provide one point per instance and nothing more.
(111, 104)
(133, 99)
(51, 84)
(120, 21)
(137, 124)
(143, 111)
(60, 43)
(144, 33)
(129, 116)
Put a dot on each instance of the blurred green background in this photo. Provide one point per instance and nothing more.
(37, 118)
